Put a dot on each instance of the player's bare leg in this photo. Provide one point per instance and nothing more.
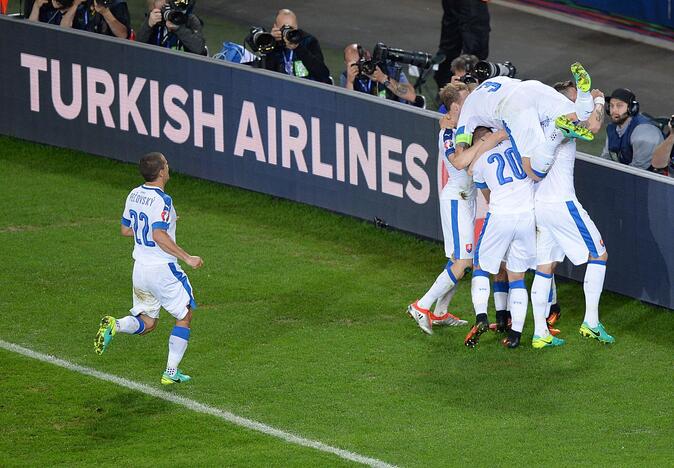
(178, 341)
(110, 326)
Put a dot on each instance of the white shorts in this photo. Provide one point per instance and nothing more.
(156, 286)
(458, 227)
(510, 238)
(567, 226)
(526, 110)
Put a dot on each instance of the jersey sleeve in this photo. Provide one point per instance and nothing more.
(448, 143)
(478, 174)
(126, 217)
(160, 213)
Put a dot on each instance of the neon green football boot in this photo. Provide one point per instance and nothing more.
(598, 333)
(571, 130)
(106, 330)
(581, 76)
(546, 342)
(179, 377)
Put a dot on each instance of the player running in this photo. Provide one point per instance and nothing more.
(457, 212)
(519, 107)
(509, 233)
(158, 281)
(565, 229)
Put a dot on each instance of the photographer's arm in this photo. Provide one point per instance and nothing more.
(117, 27)
(35, 11)
(312, 58)
(402, 90)
(69, 16)
(663, 152)
(191, 35)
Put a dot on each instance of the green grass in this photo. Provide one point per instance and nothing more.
(301, 325)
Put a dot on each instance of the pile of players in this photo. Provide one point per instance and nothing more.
(516, 142)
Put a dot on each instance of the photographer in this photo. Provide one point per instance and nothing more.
(663, 155)
(66, 13)
(109, 17)
(386, 81)
(169, 24)
(297, 53)
(461, 66)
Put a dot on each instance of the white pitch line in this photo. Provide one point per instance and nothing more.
(196, 406)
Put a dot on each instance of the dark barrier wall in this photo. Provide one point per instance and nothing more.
(316, 144)
(657, 12)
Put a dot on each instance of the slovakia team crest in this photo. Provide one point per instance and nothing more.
(469, 248)
(165, 214)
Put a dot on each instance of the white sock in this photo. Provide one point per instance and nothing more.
(518, 305)
(130, 324)
(479, 291)
(593, 286)
(177, 345)
(501, 295)
(540, 293)
(443, 283)
(584, 105)
(442, 304)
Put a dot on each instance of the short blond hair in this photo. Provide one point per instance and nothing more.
(451, 93)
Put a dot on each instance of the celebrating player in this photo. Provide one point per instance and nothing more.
(158, 281)
(519, 107)
(509, 233)
(565, 229)
(457, 212)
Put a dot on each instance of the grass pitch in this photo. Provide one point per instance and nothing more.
(301, 325)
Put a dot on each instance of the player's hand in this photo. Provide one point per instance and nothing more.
(194, 261)
(595, 93)
(154, 18)
(444, 121)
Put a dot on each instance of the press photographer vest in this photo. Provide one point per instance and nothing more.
(622, 145)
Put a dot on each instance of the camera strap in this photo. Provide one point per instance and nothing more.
(288, 61)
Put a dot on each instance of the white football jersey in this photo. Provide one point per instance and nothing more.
(482, 107)
(149, 208)
(459, 184)
(500, 170)
(558, 184)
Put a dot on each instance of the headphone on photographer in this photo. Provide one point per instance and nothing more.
(625, 95)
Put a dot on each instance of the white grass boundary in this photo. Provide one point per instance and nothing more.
(195, 406)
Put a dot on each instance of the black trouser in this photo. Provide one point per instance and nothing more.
(465, 29)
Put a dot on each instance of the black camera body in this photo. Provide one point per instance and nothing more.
(105, 3)
(290, 34)
(175, 11)
(671, 121)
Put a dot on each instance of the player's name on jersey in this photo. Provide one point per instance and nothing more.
(141, 199)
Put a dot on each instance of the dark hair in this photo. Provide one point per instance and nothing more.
(150, 165)
(480, 132)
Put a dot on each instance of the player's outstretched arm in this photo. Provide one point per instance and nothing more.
(168, 245)
(463, 159)
(526, 165)
(126, 231)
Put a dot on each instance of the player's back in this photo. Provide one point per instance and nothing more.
(481, 107)
(148, 208)
(500, 170)
(459, 183)
(557, 186)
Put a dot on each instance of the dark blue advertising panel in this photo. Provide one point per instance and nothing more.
(313, 143)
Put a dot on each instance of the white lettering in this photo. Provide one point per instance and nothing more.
(391, 166)
(293, 144)
(127, 103)
(420, 194)
(204, 119)
(154, 108)
(339, 151)
(359, 157)
(318, 167)
(103, 100)
(35, 64)
(71, 111)
(271, 134)
(181, 133)
(253, 142)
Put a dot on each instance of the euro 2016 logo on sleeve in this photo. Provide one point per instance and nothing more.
(469, 248)
(448, 144)
(165, 214)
